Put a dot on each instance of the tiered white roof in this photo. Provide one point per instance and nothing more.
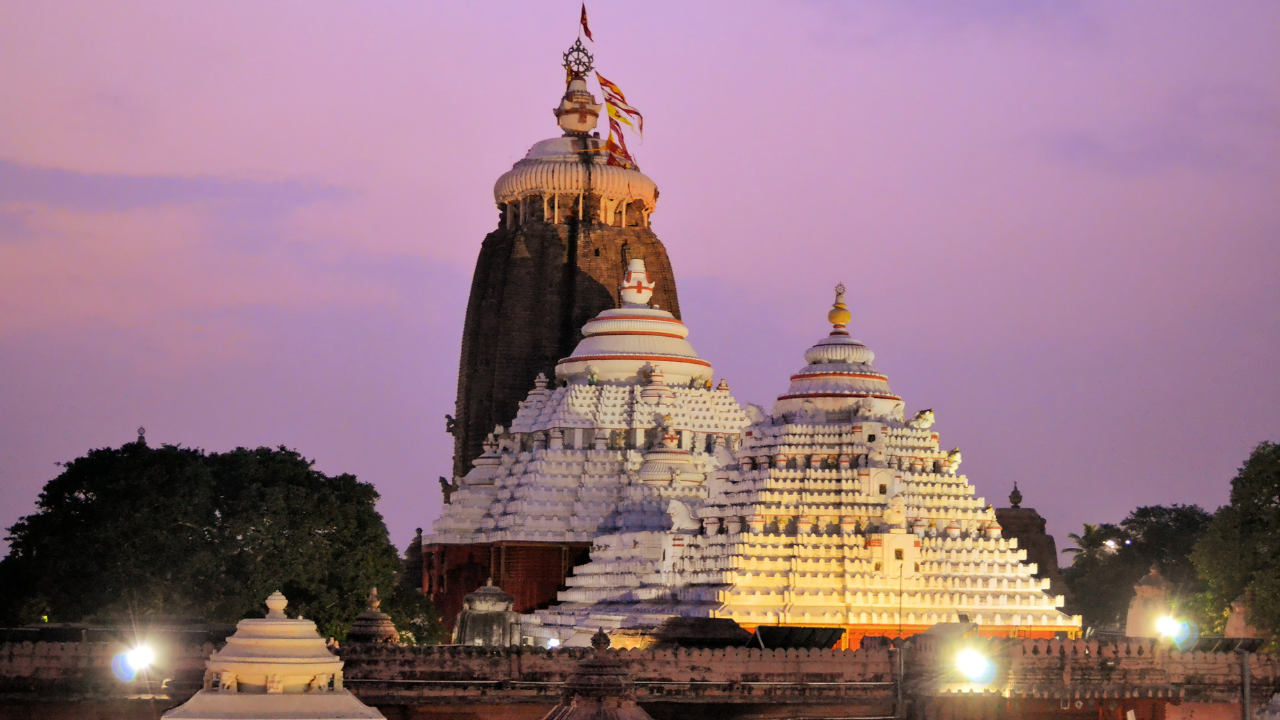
(837, 511)
(273, 668)
(634, 424)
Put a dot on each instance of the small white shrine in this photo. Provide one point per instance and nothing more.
(273, 668)
(631, 425)
(834, 510)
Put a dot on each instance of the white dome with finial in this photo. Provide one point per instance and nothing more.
(839, 376)
(578, 162)
(273, 667)
(626, 345)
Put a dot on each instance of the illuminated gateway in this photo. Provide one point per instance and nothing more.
(630, 488)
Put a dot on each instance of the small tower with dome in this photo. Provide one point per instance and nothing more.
(273, 667)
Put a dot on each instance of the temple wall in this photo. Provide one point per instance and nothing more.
(1037, 679)
(531, 573)
(728, 665)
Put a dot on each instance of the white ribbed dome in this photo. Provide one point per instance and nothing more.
(839, 376)
(562, 165)
(619, 345)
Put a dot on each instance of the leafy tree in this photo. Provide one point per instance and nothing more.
(1241, 551)
(1109, 559)
(142, 532)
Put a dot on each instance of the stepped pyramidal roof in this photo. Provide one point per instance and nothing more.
(632, 423)
(833, 509)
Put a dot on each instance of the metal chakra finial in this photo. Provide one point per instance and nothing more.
(577, 60)
(839, 316)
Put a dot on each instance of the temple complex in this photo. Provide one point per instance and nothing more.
(571, 214)
(833, 511)
(598, 463)
(630, 426)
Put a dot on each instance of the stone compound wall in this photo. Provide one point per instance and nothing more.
(385, 675)
(1035, 679)
(51, 681)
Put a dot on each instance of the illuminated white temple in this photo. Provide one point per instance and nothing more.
(834, 510)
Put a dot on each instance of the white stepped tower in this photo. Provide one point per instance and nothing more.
(836, 512)
(634, 424)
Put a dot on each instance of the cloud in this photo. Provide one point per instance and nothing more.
(157, 262)
(873, 20)
(1218, 130)
(101, 192)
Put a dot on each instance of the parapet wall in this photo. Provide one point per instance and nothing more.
(457, 663)
(79, 668)
(1093, 669)
(389, 675)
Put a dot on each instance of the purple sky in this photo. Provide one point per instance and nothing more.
(255, 223)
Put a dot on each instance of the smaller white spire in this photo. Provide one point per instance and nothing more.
(636, 288)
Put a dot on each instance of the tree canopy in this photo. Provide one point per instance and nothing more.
(1240, 552)
(1109, 559)
(143, 532)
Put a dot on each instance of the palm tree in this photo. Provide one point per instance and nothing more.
(1094, 540)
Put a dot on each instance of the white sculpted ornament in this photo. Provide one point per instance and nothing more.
(923, 420)
(755, 414)
(895, 515)
(953, 461)
(683, 518)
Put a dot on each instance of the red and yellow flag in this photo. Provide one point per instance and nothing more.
(618, 106)
(586, 29)
(616, 147)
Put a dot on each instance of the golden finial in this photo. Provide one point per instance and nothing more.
(839, 316)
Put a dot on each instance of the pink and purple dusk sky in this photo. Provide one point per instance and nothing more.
(254, 223)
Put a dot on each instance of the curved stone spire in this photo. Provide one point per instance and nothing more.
(570, 218)
(839, 376)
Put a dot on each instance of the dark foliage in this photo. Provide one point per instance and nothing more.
(1109, 559)
(1240, 553)
(169, 532)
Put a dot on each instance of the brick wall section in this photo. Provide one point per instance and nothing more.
(531, 573)
(534, 288)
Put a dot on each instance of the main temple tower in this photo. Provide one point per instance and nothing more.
(571, 215)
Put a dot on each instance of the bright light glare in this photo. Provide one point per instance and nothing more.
(1168, 627)
(973, 664)
(1111, 544)
(140, 657)
(553, 643)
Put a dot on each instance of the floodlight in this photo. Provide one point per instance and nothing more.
(140, 657)
(1168, 626)
(974, 665)
(553, 643)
